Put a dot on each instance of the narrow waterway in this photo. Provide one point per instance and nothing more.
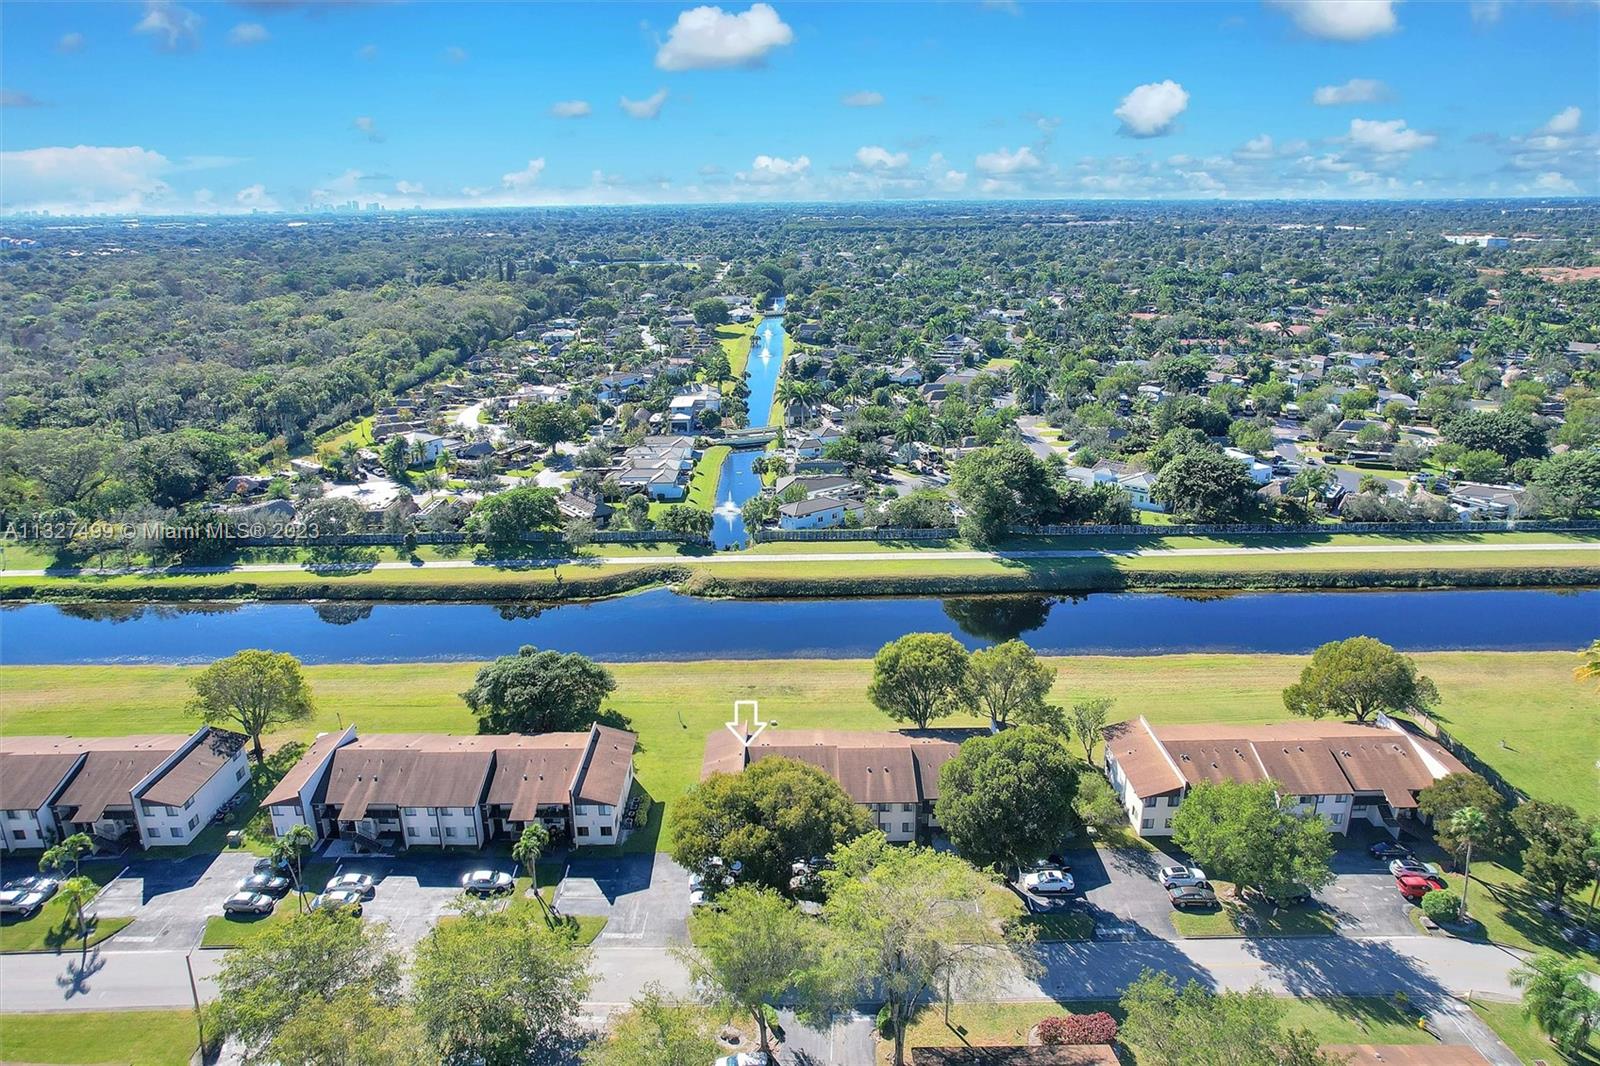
(739, 481)
(662, 625)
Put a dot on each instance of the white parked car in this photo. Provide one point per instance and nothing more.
(1415, 866)
(362, 884)
(1177, 876)
(487, 882)
(745, 1058)
(21, 901)
(1048, 882)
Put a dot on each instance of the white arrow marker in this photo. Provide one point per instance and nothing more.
(755, 720)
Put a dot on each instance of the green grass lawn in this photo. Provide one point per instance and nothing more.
(1345, 1020)
(1506, 908)
(135, 1038)
(49, 929)
(1527, 698)
(1236, 917)
(1522, 1035)
(735, 340)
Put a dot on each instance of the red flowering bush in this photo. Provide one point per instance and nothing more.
(1076, 1029)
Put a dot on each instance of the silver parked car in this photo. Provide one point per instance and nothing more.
(362, 884)
(339, 899)
(487, 882)
(248, 903)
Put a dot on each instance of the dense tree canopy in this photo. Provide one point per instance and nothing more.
(537, 691)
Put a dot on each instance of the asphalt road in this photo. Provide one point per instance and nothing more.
(834, 557)
(1301, 966)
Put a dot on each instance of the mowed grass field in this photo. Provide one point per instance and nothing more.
(1522, 712)
(137, 1038)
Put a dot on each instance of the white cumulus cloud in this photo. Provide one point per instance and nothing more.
(864, 98)
(877, 157)
(1354, 91)
(174, 28)
(84, 176)
(526, 178)
(766, 169)
(248, 33)
(649, 107)
(570, 109)
(1148, 111)
(1563, 122)
(368, 127)
(1390, 137)
(707, 37)
(255, 198)
(70, 42)
(1004, 161)
(1555, 181)
(1340, 20)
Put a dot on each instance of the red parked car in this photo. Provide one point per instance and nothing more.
(1414, 886)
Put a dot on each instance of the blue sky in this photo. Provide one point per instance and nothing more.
(165, 107)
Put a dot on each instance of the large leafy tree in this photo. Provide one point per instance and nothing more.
(1557, 837)
(1008, 681)
(1456, 792)
(1008, 797)
(1003, 486)
(298, 966)
(1240, 832)
(350, 1028)
(1556, 994)
(655, 1030)
(254, 690)
(774, 812)
(1088, 718)
(501, 520)
(750, 951)
(1206, 486)
(537, 691)
(919, 677)
(1358, 678)
(498, 987)
(904, 925)
(1176, 1028)
(1513, 436)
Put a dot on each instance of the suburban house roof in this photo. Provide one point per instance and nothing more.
(27, 781)
(287, 790)
(441, 770)
(1306, 758)
(109, 773)
(888, 767)
(802, 508)
(179, 782)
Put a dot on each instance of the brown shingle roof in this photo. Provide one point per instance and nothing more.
(179, 782)
(606, 768)
(27, 781)
(287, 790)
(1306, 758)
(882, 767)
(111, 767)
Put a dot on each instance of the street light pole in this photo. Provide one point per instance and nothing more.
(194, 991)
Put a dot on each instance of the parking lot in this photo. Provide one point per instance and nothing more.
(645, 898)
(416, 888)
(1121, 890)
(169, 900)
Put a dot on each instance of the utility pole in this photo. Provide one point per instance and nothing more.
(194, 991)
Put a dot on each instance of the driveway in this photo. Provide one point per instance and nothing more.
(415, 888)
(848, 1042)
(169, 900)
(645, 899)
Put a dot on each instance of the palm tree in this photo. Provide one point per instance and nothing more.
(1468, 825)
(76, 894)
(1590, 669)
(1591, 859)
(1556, 994)
(289, 848)
(1311, 482)
(527, 850)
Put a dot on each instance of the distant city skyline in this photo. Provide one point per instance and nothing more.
(168, 108)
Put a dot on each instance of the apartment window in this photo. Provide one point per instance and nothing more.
(411, 812)
(19, 834)
(1169, 824)
(905, 827)
(1172, 801)
(583, 808)
(1148, 823)
(605, 830)
(449, 831)
(433, 830)
(1336, 819)
(605, 808)
(411, 831)
(906, 807)
(429, 811)
(1151, 801)
(15, 816)
(583, 830)
(241, 773)
(194, 822)
(188, 803)
(1308, 799)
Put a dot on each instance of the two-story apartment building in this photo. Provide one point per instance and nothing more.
(1344, 772)
(161, 789)
(894, 775)
(436, 790)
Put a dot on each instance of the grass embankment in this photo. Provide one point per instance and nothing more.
(136, 1038)
(49, 929)
(1349, 1020)
(1505, 908)
(894, 568)
(735, 338)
